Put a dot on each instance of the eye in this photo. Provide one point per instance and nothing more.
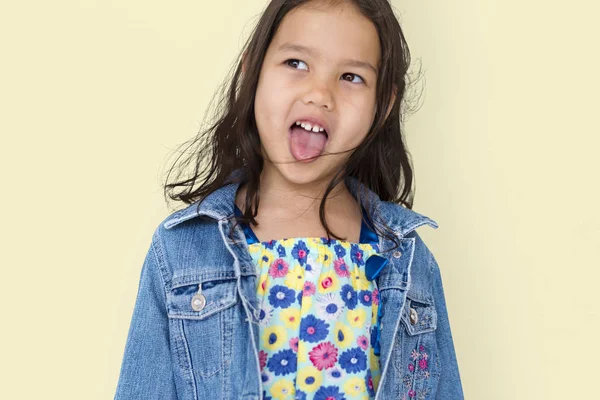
(354, 75)
(294, 61)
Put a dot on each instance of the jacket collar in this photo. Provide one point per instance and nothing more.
(220, 205)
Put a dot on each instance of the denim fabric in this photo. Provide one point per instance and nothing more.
(177, 351)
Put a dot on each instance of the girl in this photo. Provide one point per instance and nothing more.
(244, 294)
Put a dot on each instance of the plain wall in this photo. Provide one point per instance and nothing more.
(95, 96)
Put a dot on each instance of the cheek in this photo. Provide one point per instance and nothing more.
(357, 119)
(355, 136)
(269, 107)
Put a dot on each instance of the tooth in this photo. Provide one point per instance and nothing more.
(297, 123)
(321, 129)
(302, 124)
(308, 127)
(315, 129)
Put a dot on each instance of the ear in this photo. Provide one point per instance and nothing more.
(392, 101)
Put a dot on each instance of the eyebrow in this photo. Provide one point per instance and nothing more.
(314, 53)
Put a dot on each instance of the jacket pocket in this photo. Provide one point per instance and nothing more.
(420, 369)
(201, 315)
(419, 316)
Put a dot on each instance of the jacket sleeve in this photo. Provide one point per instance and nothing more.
(449, 384)
(146, 371)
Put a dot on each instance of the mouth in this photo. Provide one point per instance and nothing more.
(306, 145)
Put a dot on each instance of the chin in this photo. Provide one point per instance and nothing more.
(303, 174)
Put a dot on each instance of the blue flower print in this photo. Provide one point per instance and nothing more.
(340, 251)
(281, 251)
(283, 362)
(374, 330)
(357, 255)
(300, 395)
(300, 297)
(280, 296)
(349, 296)
(353, 360)
(300, 251)
(369, 383)
(365, 297)
(265, 397)
(313, 329)
(329, 393)
(270, 244)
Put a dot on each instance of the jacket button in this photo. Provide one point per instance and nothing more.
(414, 317)
(397, 254)
(198, 302)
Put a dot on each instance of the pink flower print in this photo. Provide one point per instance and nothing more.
(424, 355)
(411, 367)
(327, 282)
(309, 289)
(324, 355)
(262, 357)
(421, 348)
(341, 268)
(414, 354)
(278, 269)
(412, 393)
(263, 285)
(376, 296)
(370, 384)
(363, 342)
(427, 375)
(423, 363)
(294, 344)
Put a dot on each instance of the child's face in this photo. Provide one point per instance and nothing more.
(320, 84)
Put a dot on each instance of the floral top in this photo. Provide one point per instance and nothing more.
(318, 318)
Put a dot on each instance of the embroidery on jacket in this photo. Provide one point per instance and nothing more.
(419, 365)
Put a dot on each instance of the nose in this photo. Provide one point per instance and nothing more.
(319, 94)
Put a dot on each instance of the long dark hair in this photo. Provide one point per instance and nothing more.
(231, 142)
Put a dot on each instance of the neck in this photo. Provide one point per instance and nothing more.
(284, 198)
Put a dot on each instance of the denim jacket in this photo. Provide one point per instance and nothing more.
(194, 331)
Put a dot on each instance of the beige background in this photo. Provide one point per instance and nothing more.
(96, 95)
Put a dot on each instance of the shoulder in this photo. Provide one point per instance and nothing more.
(401, 219)
(423, 270)
(186, 226)
(188, 248)
(405, 223)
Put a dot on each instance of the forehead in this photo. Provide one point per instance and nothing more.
(335, 32)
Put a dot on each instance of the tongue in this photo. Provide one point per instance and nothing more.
(305, 144)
